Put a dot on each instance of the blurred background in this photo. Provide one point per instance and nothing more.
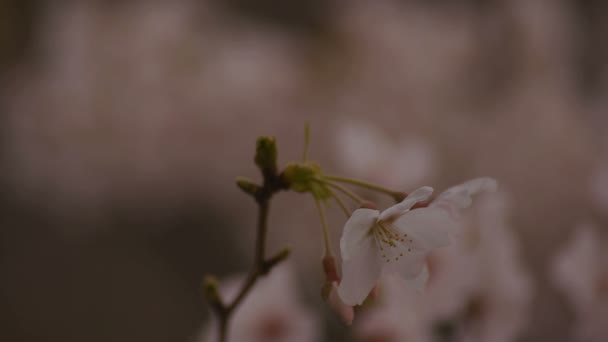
(124, 123)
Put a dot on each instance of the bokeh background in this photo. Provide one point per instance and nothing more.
(124, 123)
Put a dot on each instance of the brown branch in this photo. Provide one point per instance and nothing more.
(261, 265)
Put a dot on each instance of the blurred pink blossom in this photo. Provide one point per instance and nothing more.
(480, 280)
(599, 186)
(367, 152)
(272, 312)
(580, 270)
(477, 288)
(330, 292)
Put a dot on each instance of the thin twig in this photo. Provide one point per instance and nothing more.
(261, 266)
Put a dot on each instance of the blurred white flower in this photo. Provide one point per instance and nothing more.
(478, 284)
(599, 186)
(367, 153)
(399, 239)
(477, 290)
(330, 292)
(345, 312)
(396, 317)
(580, 270)
(270, 313)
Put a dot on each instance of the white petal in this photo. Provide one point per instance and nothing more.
(419, 195)
(409, 266)
(427, 227)
(459, 196)
(356, 230)
(360, 273)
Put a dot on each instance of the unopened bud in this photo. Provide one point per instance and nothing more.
(211, 292)
(266, 155)
(248, 186)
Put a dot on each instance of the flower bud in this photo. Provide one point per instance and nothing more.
(248, 186)
(266, 155)
(211, 292)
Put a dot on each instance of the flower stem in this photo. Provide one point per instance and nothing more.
(306, 141)
(364, 184)
(341, 204)
(345, 191)
(327, 244)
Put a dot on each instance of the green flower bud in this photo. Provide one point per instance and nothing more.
(211, 291)
(247, 185)
(266, 155)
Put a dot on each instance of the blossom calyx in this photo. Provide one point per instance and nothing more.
(330, 270)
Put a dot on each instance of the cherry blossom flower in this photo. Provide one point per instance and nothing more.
(270, 313)
(399, 239)
(581, 272)
(477, 291)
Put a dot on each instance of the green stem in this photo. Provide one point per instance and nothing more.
(341, 204)
(306, 141)
(364, 184)
(344, 190)
(326, 241)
